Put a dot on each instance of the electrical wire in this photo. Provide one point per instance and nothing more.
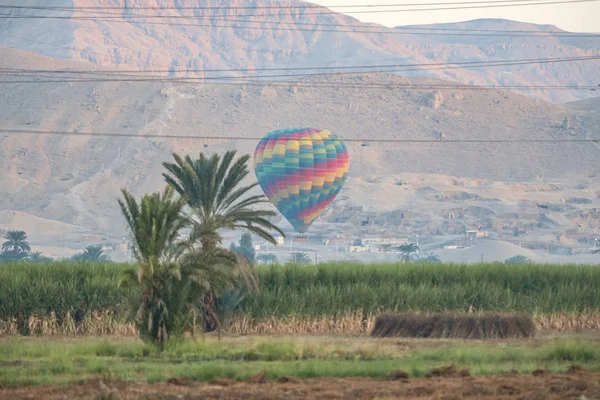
(269, 7)
(418, 28)
(325, 85)
(316, 84)
(350, 140)
(528, 3)
(405, 67)
(389, 31)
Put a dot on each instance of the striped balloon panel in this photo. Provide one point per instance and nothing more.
(301, 171)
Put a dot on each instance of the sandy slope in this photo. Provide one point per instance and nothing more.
(71, 182)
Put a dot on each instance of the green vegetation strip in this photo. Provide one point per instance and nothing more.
(37, 361)
(79, 289)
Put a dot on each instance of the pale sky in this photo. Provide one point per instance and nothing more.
(574, 17)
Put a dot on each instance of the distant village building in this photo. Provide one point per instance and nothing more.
(454, 246)
(477, 233)
(381, 241)
(379, 245)
(356, 249)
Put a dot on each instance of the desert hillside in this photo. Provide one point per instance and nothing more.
(64, 187)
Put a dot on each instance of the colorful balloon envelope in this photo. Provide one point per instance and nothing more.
(301, 171)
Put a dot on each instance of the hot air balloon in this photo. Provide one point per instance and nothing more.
(301, 171)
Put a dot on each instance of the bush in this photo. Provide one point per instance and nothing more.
(461, 326)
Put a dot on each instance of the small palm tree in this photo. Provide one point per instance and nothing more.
(155, 223)
(38, 257)
(91, 254)
(13, 255)
(517, 260)
(407, 250)
(299, 258)
(16, 241)
(429, 258)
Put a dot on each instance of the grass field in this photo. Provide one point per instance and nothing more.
(79, 298)
(82, 342)
(44, 360)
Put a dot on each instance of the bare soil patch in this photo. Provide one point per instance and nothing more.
(506, 386)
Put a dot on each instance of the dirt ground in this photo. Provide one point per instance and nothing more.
(578, 384)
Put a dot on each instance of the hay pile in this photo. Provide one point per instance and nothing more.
(460, 326)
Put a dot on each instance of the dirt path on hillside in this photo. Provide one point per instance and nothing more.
(546, 386)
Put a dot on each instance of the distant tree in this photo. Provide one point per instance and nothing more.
(92, 254)
(407, 251)
(596, 251)
(268, 258)
(16, 241)
(429, 258)
(13, 255)
(299, 257)
(38, 257)
(517, 260)
(246, 248)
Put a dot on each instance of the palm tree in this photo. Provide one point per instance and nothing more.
(407, 250)
(16, 241)
(299, 257)
(91, 254)
(155, 223)
(38, 257)
(517, 260)
(268, 258)
(429, 258)
(12, 255)
(213, 189)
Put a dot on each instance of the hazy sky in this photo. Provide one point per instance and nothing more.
(575, 17)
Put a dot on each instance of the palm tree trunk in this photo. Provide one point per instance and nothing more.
(211, 321)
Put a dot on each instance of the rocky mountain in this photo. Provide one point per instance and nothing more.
(175, 38)
(64, 187)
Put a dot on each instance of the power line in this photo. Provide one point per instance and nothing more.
(323, 85)
(107, 19)
(393, 31)
(329, 12)
(362, 140)
(10, 72)
(120, 15)
(413, 66)
(312, 84)
(269, 7)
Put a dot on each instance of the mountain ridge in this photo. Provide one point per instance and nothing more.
(302, 41)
